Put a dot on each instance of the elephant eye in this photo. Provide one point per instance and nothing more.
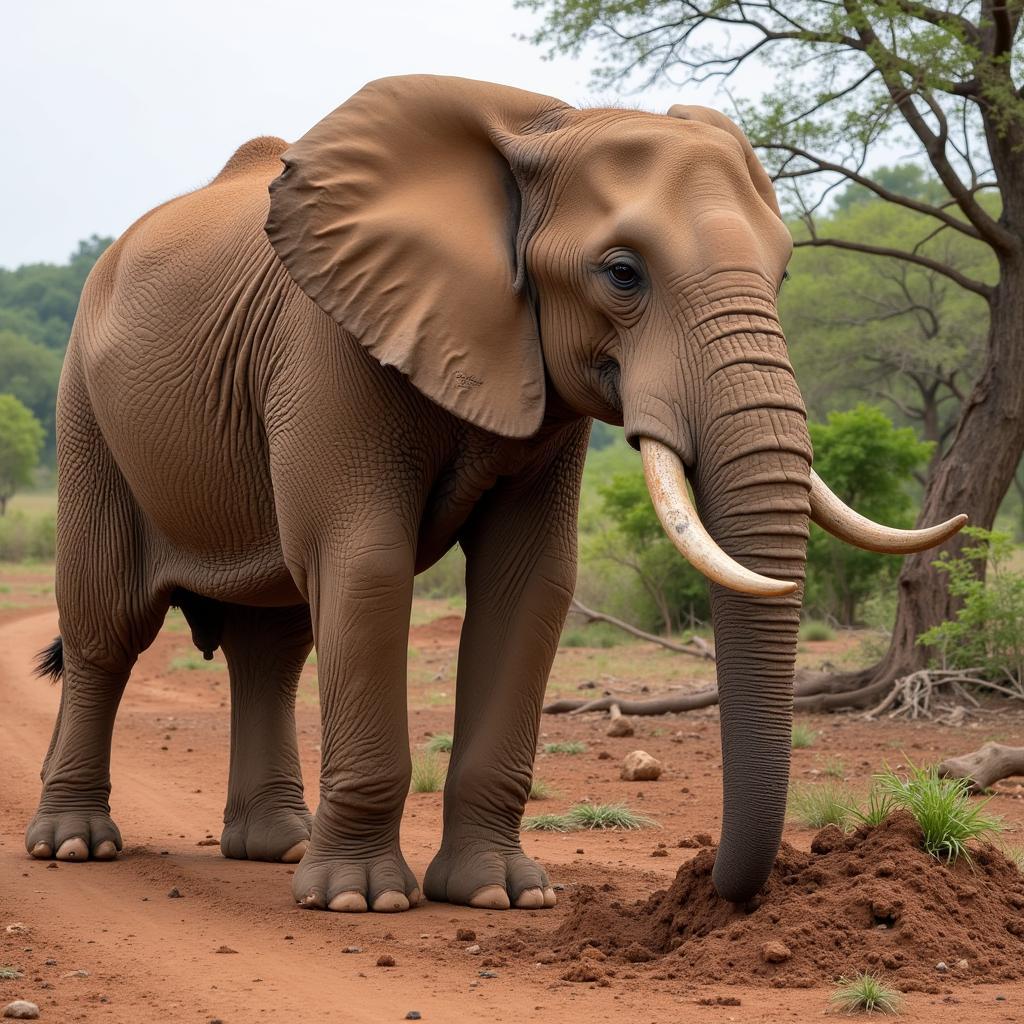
(623, 276)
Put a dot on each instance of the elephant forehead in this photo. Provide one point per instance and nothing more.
(621, 159)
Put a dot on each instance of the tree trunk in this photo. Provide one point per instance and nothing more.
(973, 477)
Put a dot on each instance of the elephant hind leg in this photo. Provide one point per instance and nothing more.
(109, 613)
(266, 817)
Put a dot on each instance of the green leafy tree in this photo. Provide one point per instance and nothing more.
(987, 633)
(630, 536)
(21, 439)
(31, 372)
(878, 328)
(942, 79)
(868, 463)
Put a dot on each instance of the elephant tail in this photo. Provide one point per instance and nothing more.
(50, 661)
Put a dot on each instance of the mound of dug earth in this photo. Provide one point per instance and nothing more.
(873, 900)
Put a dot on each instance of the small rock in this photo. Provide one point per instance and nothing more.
(775, 952)
(225, 949)
(386, 960)
(414, 1015)
(619, 727)
(75, 974)
(352, 949)
(17, 929)
(51, 867)
(639, 766)
(486, 974)
(208, 842)
(961, 965)
(579, 849)
(604, 756)
(21, 1009)
(465, 935)
(659, 852)
(473, 950)
(582, 973)
(50, 963)
(174, 894)
(942, 967)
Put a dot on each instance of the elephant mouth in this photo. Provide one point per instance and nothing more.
(665, 476)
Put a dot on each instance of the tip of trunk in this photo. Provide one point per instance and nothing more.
(739, 876)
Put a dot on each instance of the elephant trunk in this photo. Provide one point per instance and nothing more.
(757, 508)
(751, 481)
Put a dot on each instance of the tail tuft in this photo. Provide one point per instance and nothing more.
(50, 661)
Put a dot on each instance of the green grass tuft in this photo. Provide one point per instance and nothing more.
(547, 823)
(816, 631)
(865, 994)
(571, 747)
(540, 790)
(943, 809)
(585, 817)
(834, 768)
(428, 774)
(880, 805)
(1015, 855)
(821, 804)
(10, 974)
(593, 816)
(440, 743)
(803, 736)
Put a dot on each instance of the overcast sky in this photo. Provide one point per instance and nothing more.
(112, 106)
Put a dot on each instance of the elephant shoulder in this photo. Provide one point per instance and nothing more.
(256, 153)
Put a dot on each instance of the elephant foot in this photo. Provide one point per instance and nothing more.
(71, 835)
(486, 875)
(382, 883)
(264, 831)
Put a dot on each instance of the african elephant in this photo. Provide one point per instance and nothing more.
(278, 407)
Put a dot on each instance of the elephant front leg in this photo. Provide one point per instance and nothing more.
(361, 606)
(521, 572)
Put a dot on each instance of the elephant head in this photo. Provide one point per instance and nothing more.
(512, 254)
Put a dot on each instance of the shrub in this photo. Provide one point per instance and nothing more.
(25, 538)
(814, 630)
(428, 774)
(988, 631)
(595, 634)
(865, 994)
(943, 809)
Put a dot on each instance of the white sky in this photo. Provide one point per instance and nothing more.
(108, 107)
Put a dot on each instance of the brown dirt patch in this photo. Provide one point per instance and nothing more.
(873, 900)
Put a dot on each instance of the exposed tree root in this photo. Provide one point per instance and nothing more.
(984, 766)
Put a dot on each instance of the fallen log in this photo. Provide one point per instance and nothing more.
(696, 648)
(984, 766)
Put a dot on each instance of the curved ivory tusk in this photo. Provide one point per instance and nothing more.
(834, 515)
(666, 482)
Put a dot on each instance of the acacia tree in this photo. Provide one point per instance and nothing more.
(849, 75)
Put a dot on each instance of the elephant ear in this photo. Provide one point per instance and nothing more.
(715, 118)
(399, 214)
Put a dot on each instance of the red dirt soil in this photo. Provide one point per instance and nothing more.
(872, 900)
(152, 959)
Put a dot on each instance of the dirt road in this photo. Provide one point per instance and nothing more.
(235, 949)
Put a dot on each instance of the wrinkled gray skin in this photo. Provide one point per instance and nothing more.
(282, 467)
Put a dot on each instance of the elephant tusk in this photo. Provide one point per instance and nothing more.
(835, 516)
(666, 483)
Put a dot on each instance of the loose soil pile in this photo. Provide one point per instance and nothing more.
(873, 900)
